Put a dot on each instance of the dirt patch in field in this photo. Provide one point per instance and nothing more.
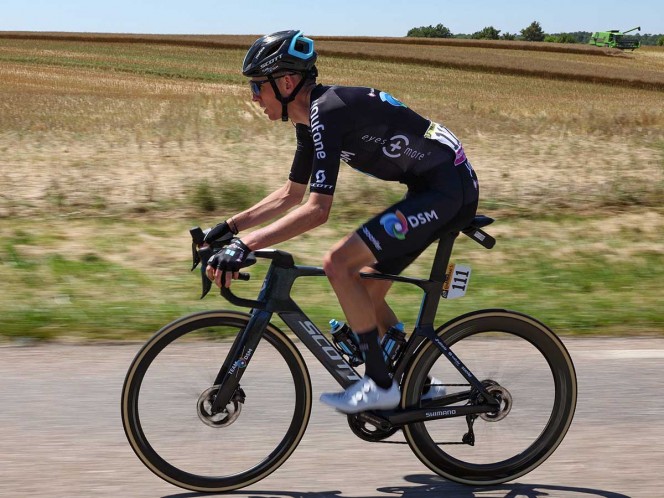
(121, 174)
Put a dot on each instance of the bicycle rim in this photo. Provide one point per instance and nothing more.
(165, 387)
(537, 384)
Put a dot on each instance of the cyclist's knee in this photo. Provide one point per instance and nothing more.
(336, 266)
(347, 258)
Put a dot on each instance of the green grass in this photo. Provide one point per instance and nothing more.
(113, 279)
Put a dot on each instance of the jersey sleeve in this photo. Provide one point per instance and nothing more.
(303, 160)
(326, 136)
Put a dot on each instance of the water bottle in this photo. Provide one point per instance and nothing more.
(393, 343)
(346, 342)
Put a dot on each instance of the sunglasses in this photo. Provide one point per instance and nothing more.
(256, 85)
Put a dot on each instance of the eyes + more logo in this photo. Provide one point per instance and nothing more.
(395, 224)
(396, 145)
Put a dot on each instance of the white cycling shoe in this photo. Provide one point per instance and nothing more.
(362, 396)
(435, 391)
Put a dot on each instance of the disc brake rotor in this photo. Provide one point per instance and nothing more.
(504, 397)
(222, 419)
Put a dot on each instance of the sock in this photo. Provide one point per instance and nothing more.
(376, 369)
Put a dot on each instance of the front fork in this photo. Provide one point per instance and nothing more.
(238, 358)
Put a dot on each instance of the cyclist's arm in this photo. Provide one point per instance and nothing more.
(276, 203)
(311, 214)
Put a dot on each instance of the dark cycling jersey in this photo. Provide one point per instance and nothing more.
(376, 134)
(372, 132)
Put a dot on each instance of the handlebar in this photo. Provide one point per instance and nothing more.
(201, 254)
(281, 258)
(239, 301)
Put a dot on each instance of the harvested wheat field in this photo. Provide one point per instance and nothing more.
(568, 144)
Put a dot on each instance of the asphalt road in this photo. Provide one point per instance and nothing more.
(61, 434)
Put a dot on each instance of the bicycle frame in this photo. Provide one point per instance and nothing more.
(275, 298)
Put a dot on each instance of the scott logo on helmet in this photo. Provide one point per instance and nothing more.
(271, 61)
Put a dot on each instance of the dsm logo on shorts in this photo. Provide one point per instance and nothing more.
(397, 225)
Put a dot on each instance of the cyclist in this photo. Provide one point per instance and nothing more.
(377, 135)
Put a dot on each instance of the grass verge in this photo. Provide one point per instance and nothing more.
(114, 279)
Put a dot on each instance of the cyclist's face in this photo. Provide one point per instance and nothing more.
(263, 93)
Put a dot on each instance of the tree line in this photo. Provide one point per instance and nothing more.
(532, 32)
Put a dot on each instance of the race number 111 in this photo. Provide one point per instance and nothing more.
(456, 281)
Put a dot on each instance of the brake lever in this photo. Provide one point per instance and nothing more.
(200, 255)
(197, 236)
(205, 254)
(198, 239)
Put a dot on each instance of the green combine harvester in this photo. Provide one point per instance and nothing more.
(615, 39)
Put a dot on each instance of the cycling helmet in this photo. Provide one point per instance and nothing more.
(281, 51)
(284, 51)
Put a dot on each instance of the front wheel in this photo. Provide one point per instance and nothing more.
(169, 389)
(522, 364)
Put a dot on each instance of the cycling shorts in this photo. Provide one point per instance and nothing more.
(443, 201)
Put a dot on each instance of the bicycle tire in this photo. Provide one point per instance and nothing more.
(175, 342)
(473, 465)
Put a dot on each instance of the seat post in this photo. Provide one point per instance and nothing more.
(442, 258)
(431, 296)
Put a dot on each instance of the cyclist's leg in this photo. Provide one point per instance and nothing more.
(376, 390)
(378, 289)
(342, 266)
(391, 240)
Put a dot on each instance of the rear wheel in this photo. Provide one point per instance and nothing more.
(169, 389)
(520, 362)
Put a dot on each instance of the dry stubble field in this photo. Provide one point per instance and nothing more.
(104, 148)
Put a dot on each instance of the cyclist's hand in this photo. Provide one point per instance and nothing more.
(221, 231)
(229, 260)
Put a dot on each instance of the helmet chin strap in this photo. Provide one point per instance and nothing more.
(285, 100)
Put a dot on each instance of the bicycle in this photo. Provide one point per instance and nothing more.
(494, 425)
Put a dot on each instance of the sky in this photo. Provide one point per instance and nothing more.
(319, 17)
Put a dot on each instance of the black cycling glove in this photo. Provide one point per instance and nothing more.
(221, 231)
(232, 257)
